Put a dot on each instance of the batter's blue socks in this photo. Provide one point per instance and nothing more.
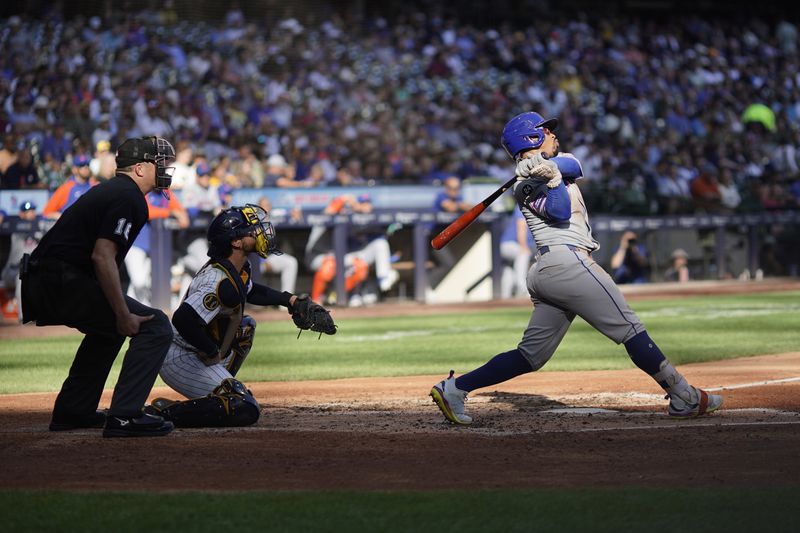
(500, 368)
(644, 353)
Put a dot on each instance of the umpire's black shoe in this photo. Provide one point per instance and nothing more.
(68, 422)
(144, 425)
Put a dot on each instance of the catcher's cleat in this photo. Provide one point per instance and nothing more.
(695, 402)
(450, 401)
(162, 403)
(95, 420)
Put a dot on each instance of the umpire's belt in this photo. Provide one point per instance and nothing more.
(50, 268)
(544, 249)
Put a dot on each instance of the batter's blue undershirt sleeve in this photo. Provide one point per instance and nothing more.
(645, 353)
(569, 167)
(558, 206)
(193, 328)
(263, 295)
(500, 368)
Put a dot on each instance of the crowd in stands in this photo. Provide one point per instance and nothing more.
(668, 116)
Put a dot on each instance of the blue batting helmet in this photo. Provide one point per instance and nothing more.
(525, 132)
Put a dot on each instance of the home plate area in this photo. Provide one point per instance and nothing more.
(507, 413)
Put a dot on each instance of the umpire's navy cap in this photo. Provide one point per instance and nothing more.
(133, 151)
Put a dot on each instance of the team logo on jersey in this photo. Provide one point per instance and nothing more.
(527, 190)
(210, 301)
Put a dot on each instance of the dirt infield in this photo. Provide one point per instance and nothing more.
(549, 429)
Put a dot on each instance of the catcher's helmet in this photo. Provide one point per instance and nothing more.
(150, 150)
(237, 222)
(525, 132)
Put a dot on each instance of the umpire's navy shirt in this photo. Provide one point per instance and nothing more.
(115, 210)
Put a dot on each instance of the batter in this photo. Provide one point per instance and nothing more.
(565, 281)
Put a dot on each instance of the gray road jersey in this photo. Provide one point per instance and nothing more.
(576, 232)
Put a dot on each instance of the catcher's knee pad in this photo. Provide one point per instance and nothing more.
(229, 405)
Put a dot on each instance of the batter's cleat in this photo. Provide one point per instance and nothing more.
(696, 402)
(95, 420)
(144, 425)
(450, 400)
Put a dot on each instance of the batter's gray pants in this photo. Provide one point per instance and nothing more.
(566, 282)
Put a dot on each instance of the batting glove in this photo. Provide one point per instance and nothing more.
(538, 167)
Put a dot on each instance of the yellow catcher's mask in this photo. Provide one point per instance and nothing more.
(260, 228)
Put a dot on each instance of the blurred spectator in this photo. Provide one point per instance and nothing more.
(226, 196)
(364, 249)
(705, 191)
(184, 174)
(516, 249)
(22, 173)
(108, 167)
(448, 200)
(774, 195)
(283, 264)
(57, 144)
(8, 154)
(350, 175)
(248, 169)
(200, 195)
(102, 151)
(679, 267)
(279, 173)
(137, 261)
(78, 183)
(761, 115)
(103, 130)
(51, 172)
(673, 191)
(630, 264)
(23, 241)
(728, 191)
(304, 162)
(665, 93)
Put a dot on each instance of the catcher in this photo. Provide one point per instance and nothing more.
(212, 336)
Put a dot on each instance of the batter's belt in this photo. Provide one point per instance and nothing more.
(545, 249)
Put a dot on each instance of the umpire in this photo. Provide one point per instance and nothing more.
(72, 278)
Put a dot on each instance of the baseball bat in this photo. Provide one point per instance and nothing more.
(459, 224)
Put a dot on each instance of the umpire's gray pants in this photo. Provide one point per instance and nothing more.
(563, 283)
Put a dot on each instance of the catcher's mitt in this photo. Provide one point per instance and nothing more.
(307, 314)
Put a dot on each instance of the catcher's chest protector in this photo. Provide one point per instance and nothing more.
(235, 317)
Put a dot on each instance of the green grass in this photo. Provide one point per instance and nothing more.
(613, 510)
(687, 330)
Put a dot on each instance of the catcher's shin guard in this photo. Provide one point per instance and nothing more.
(241, 345)
(230, 405)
